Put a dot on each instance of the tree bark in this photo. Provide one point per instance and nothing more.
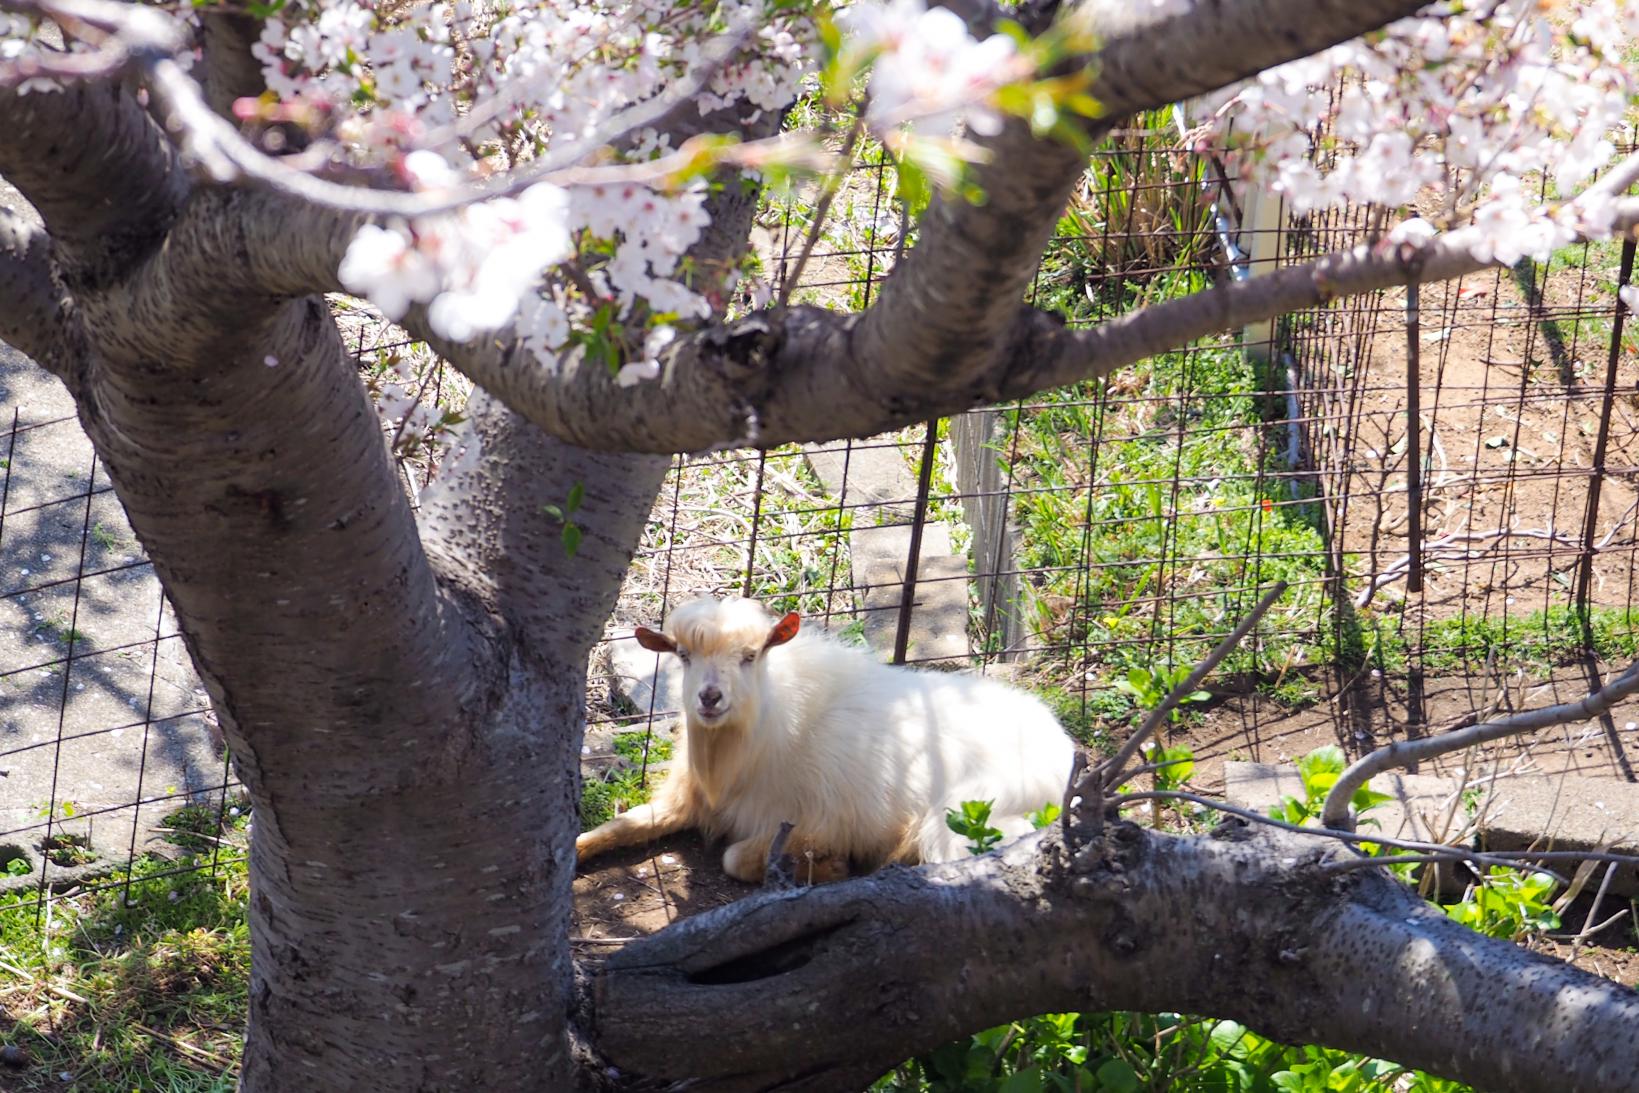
(35, 318)
(826, 988)
(99, 170)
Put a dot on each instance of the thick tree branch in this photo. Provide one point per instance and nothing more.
(847, 979)
(253, 470)
(33, 310)
(946, 309)
(102, 174)
(751, 383)
(1153, 55)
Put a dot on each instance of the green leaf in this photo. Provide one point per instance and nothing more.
(1324, 759)
(571, 539)
(1043, 816)
(1117, 1077)
(914, 190)
(553, 511)
(1365, 797)
(1027, 1080)
(1084, 104)
(577, 494)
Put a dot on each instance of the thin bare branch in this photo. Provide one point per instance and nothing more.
(77, 67)
(1513, 859)
(1335, 814)
(1110, 772)
(808, 378)
(1418, 850)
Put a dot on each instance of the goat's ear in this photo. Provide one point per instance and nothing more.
(783, 631)
(654, 641)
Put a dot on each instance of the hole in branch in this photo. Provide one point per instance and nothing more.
(767, 963)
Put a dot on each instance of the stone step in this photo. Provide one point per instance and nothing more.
(1558, 812)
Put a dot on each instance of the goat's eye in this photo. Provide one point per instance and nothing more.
(748, 658)
(682, 655)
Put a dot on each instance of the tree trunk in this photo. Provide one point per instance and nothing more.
(410, 932)
(409, 735)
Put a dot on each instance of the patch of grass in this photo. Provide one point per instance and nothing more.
(1135, 547)
(58, 628)
(1081, 719)
(139, 984)
(203, 827)
(622, 787)
(68, 850)
(108, 539)
(1135, 222)
(1539, 640)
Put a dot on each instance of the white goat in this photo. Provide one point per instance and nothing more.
(861, 758)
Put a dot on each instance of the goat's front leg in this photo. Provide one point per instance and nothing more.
(747, 860)
(670, 810)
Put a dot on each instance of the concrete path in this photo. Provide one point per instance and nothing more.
(100, 708)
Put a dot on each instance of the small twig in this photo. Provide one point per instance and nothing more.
(780, 870)
(1151, 768)
(1077, 765)
(227, 1065)
(1449, 547)
(46, 985)
(99, 64)
(1335, 812)
(1110, 772)
(1593, 912)
(1510, 859)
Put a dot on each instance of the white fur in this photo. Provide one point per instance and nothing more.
(862, 758)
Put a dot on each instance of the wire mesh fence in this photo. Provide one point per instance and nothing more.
(1447, 488)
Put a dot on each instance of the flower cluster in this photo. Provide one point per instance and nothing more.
(1469, 111)
(469, 267)
(536, 76)
(926, 68)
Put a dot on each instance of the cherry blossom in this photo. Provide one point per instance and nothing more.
(1473, 113)
(927, 69)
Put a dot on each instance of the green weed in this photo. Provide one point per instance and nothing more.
(622, 787)
(139, 983)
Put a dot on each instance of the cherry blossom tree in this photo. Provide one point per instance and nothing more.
(557, 196)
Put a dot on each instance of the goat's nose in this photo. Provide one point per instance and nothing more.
(710, 696)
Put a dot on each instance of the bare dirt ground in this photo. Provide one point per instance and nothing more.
(1512, 373)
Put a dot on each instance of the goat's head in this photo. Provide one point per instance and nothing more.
(721, 644)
